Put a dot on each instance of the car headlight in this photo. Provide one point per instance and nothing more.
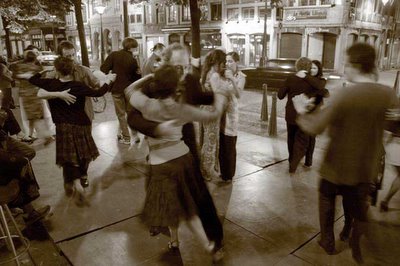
(334, 77)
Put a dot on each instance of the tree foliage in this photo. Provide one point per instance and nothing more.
(18, 15)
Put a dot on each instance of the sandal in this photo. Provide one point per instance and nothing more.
(173, 245)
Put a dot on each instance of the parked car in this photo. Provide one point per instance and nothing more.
(273, 74)
(47, 58)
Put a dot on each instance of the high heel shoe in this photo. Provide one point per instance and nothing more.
(173, 245)
(216, 252)
(384, 206)
(84, 181)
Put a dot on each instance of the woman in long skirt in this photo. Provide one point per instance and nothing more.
(169, 200)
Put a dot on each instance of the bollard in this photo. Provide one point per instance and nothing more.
(396, 85)
(264, 105)
(272, 128)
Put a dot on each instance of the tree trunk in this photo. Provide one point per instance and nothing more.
(126, 18)
(7, 37)
(195, 20)
(81, 32)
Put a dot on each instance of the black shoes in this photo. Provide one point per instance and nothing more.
(329, 249)
(154, 230)
(84, 181)
(37, 215)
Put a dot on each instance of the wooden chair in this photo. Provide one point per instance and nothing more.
(9, 193)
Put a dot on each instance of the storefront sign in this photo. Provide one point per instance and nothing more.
(293, 15)
(322, 30)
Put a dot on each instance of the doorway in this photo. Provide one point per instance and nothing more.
(329, 50)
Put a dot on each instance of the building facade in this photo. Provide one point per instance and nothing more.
(318, 29)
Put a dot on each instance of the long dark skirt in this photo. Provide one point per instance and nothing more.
(168, 198)
(74, 144)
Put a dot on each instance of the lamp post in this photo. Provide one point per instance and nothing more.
(55, 44)
(263, 58)
(100, 10)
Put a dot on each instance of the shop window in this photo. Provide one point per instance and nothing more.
(247, 13)
(232, 2)
(232, 14)
(185, 13)
(325, 2)
(216, 11)
(291, 44)
(117, 5)
(256, 46)
(172, 14)
(238, 44)
(69, 19)
(139, 18)
(209, 41)
(149, 13)
(84, 13)
(204, 10)
(160, 10)
(308, 2)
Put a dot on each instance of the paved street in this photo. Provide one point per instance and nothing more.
(269, 217)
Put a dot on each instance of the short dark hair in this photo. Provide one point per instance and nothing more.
(31, 47)
(166, 80)
(30, 56)
(64, 45)
(64, 65)
(362, 56)
(235, 56)
(158, 46)
(129, 43)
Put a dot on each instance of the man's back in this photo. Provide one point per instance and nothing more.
(356, 129)
(125, 66)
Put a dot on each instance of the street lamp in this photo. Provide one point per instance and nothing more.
(100, 10)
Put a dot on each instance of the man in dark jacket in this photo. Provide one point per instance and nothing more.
(126, 67)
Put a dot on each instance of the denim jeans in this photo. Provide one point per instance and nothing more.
(122, 108)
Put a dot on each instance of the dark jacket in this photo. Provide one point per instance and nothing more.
(125, 66)
(294, 86)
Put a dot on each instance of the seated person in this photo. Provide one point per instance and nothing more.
(15, 164)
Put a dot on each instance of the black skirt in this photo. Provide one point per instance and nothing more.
(168, 198)
(74, 144)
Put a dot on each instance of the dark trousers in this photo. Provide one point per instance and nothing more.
(298, 143)
(72, 172)
(355, 204)
(201, 196)
(310, 151)
(227, 156)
